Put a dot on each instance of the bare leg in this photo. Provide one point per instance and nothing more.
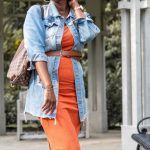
(49, 146)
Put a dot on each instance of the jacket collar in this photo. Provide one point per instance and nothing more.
(54, 12)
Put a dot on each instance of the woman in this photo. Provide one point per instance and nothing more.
(56, 93)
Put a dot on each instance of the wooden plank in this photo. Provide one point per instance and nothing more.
(32, 135)
(19, 121)
(41, 135)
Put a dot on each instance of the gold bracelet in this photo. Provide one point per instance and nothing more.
(49, 87)
(79, 7)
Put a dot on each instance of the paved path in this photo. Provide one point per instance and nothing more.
(107, 141)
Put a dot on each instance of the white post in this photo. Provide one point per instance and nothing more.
(134, 68)
(2, 114)
(96, 74)
(126, 71)
(146, 61)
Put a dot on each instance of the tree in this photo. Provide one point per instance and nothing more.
(113, 63)
(12, 38)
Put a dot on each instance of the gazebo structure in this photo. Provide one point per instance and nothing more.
(135, 69)
(135, 66)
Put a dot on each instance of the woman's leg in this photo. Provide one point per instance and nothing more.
(49, 146)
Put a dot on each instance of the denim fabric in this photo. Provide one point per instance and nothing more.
(41, 35)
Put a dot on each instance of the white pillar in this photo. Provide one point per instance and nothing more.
(146, 61)
(134, 68)
(96, 74)
(2, 114)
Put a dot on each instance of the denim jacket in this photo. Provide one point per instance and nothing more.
(41, 35)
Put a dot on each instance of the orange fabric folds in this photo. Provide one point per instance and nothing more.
(64, 134)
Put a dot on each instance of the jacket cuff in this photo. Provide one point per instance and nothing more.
(37, 57)
(83, 19)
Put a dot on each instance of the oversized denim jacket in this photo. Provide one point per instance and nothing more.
(41, 35)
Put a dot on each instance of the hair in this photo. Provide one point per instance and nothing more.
(47, 1)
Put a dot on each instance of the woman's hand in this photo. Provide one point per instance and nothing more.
(73, 3)
(78, 12)
(49, 103)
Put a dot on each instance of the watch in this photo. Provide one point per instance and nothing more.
(79, 7)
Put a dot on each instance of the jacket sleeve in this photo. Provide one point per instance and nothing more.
(34, 35)
(86, 28)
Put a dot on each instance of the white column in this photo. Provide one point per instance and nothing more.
(2, 114)
(126, 71)
(146, 61)
(134, 68)
(136, 62)
(96, 74)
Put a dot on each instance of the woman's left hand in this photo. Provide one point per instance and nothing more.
(73, 3)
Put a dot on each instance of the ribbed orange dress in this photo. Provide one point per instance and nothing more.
(64, 135)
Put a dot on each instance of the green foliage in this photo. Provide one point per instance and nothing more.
(84, 62)
(113, 63)
(12, 39)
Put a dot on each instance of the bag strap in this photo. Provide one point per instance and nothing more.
(42, 12)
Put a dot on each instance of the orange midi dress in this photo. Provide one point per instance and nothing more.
(64, 134)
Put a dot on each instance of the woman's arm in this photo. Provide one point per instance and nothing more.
(49, 102)
(85, 25)
(44, 75)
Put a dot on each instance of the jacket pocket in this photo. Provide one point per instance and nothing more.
(51, 28)
(49, 24)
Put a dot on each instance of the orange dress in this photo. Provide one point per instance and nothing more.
(64, 135)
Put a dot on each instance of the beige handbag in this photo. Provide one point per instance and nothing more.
(17, 72)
